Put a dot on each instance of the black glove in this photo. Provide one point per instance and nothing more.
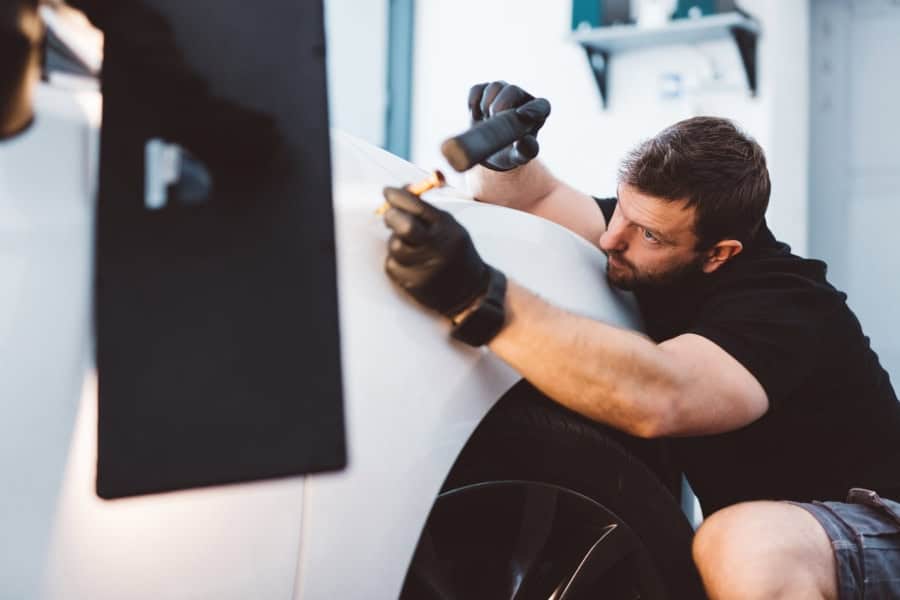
(488, 99)
(431, 255)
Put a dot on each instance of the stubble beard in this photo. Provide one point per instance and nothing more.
(634, 280)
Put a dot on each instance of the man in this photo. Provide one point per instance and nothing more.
(755, 367)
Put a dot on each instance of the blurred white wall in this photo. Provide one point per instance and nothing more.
(855, 169)
(462, 42)
(356, 41)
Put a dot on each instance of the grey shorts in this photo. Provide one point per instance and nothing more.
(865, 536)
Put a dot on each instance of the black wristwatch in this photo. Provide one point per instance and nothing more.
(481, 322)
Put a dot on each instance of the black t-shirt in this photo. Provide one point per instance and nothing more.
(833, 421)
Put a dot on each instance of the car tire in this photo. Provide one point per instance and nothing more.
(529, 451)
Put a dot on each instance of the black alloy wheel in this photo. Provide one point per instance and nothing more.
(543, 504)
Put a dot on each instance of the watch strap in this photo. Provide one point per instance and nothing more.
(485, 320)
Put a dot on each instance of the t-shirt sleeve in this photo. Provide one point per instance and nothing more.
(774, 329)
(607, 207)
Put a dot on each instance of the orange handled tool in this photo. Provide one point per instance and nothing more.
(435, 180)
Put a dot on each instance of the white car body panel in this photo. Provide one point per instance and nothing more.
(60, 540)
(46, 215)
(412, 396)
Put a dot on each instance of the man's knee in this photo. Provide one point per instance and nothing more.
(764, 550)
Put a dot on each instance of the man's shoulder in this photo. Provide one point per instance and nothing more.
(773, 270)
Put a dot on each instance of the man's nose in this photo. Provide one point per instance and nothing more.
(613, 239)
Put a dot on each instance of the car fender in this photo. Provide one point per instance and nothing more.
(413, 395)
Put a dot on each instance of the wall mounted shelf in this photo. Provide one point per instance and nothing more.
(601, 43)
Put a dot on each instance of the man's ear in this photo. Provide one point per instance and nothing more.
(720, 254)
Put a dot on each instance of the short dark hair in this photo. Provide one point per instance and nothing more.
(713, 165)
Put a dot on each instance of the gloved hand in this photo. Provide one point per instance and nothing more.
(431, 255)
(488, 99)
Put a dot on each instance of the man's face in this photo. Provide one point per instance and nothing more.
(650, 242)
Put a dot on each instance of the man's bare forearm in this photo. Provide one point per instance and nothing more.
(534, 189)
(607, 374)
(520, 188)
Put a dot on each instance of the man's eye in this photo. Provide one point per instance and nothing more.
(649, 236)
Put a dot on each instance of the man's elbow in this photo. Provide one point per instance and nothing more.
(652, 427)
(676, 419)
(658, 422)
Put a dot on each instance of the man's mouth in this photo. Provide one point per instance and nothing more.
(616, 261)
